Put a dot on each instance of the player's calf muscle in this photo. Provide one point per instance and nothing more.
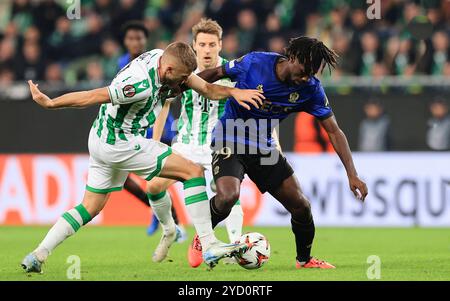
(94, 202)
(228, 190)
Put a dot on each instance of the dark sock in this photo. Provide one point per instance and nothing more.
(216, 215)
(304, 236)
(133, 188)
(174, 215)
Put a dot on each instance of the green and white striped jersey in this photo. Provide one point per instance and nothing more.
(199, 115)
(136, 100)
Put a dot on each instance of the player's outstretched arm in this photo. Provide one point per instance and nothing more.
(70, 100)
(216, 92)
(340, 144)
(212, 75)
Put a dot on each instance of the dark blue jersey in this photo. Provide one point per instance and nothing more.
(257, 70)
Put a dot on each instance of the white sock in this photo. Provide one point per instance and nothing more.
(66, 226)
(234, 223)
(197, 205)
(162, 207)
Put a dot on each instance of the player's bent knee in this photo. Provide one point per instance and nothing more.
(155, 186)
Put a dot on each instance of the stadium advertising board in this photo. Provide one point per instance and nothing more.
(405, 189)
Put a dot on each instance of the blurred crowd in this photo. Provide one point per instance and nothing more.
(38, 41)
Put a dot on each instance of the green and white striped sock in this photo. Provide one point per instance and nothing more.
(197, 205)
(67, 225)
(162, 207)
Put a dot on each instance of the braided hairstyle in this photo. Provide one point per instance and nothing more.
(311, 53)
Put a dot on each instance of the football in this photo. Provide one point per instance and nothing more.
(257, 253)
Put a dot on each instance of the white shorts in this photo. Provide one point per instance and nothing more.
(109, 165)
(198, 154)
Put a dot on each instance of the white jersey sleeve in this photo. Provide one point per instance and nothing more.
(130, 85)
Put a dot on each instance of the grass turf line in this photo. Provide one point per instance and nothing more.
(124, 253)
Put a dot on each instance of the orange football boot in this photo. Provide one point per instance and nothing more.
(314, 263)
(195, 252)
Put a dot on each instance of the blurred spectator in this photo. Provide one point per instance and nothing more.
(374, 130)
(441, 52)
(230, 46)
(400, 56)
(271, 30)
(438, 134)
(370, 53)
(21, 14)
(94, 73)
(125, 11)
(366, 47)
(277, 44)
(247, 29)
(61, 41)
(53, 74)
(32, 35)
(30, 65)
(347, 63)
(45, 14)
(7, 51)
(6, 76)
(110, 55)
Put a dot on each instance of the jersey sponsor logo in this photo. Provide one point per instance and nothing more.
(129, 91)
(260, 88)
(293, 97)
(137, 147)
(268, 106)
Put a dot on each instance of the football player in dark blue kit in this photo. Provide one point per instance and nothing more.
(243, 143)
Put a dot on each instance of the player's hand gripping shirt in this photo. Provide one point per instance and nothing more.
(257, 70)
(137, 97)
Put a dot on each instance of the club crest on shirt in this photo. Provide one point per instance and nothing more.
(293, 97)
(129, 91)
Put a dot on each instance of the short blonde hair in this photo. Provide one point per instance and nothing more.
(183, 53)
(207, 26)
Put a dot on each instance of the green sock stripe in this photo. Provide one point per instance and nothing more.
(158, 196)
(196, 198)
(72, 221)
(194, 182)
(238, 202)
(85, 216)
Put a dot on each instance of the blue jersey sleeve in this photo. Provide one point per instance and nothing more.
(238, 68)
(319, 105)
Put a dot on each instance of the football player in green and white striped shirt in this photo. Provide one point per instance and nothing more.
(197, 119)
(117, 146)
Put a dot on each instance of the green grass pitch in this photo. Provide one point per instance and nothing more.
(124, 253)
